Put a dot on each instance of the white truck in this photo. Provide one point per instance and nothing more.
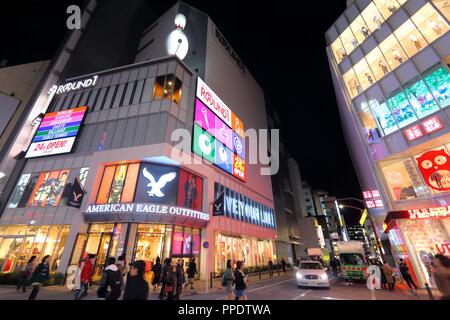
(352, 259)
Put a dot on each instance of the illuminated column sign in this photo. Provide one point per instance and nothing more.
(71, 86)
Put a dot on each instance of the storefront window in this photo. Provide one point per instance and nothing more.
(118, 184)
(387, 7)
(430, 22)
(48, 189)
(19, 190)
(364, 74)
(105, 186)
(421, 99)
(401, 110)
(410, 38)
(393, 51)
(353, 86)
(348, 40)
(383, 116)
(377, 63)
(403, 179)
(443, 6)
(338, 50)
(439, 84)
(360, 29)
(373, 17)
(59, 247)
(370, 126)
(167, 87)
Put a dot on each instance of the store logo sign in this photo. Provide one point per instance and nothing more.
(213, 102)
(439, 212)
(413, 133)
(72, 86)
(231, 53)
(432, 124)
(154, 187)
(434, 166)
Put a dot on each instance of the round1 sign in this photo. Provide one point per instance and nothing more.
(205, 244)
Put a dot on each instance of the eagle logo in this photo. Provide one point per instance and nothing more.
(154, 188)
(76, 196)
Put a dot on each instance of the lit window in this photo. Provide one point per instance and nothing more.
(383, 117)
(393, 51)
(364, 74)
(360, 29)
(387, 7)
(421, 99)
(401, 110)
(353, 86)
(348, 40)
(430, 22)
(48, 189)
(338, 50)
(373, 17)
(439, 84)
(403, 180)
(443, 6)
(118, 184)
(370, 125)
(167, 87)
(19, 191)
(378, 63)
(410, 38)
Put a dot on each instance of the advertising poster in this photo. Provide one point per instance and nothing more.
(177, 243)
(434, 166)
(224, 158)
(187, 244)
(239, 168)
(195, 244)
(238, 146)
(190, 190)
(157, 184)
(204, 144)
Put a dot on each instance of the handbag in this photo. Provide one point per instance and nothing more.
(168, 288)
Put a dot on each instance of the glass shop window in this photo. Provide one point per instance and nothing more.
(360, 29)
(373, 17)
(387, 7)
(403, 179)
(353, 86)
(443, 6)
(48, 189)
(410, 38)
(401, 110)
(430, 22)
(393, 51)
(167, 87)
(348, 40)
(383, 116)
(439, 84)
(118, 184)
(377, 63)
(370, 127)
(421, 99)
(364, 74)
(338, 50)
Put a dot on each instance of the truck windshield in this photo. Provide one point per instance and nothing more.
(317, 266)
(352, 258)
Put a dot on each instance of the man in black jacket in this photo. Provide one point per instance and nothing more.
(112, 279)
(136, 287)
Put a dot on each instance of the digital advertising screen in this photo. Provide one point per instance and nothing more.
(218, 133)
(56, 133)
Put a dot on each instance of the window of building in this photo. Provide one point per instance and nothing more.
(383, 117)
(19, 190)
(353, 86)
(421, 99)
(167, 87)
(401, 110)
(430, 22)
(348, 40)
(360, 29)
(370, 125)
(372, 17)
(377, 63)
(439, 84)
(387, 7)
(410, 38)
(118, 184)
(393, 51)
(364, 74)
(48, 189)
(338, 50)
(403, 180)
(443, 6)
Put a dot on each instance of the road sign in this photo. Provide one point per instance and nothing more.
(205, 244)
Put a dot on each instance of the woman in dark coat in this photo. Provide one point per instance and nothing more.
(164, 271)
(26, 274)
(136, 287)
(191, 272)
(157, 268)
(40, 275)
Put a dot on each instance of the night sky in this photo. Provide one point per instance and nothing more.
(282, 46)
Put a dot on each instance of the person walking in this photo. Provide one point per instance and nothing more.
(270, 265)
(389, 274)
(334, 266)
(26, 274)
(240, 281)
(111, 279)
(87, 269)
(283, 264)
(406, 275)
(191, 271)
(383, 276)
(170, 282)
(156, 268)
(441, 275)
(227, 280)
(136, 287)
(165, 270)
(122, 265)
(180, 278)
(40, 275)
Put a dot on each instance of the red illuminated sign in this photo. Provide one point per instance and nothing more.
(434, 166)
(432, 124)
(372, 199)
(238, 167)
(429, 213)
(370, 204)
(413, 133)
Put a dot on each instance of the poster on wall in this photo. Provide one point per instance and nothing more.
(57, 133)
(157, 184)
(177, 243)
(434, 167)
(190, 189)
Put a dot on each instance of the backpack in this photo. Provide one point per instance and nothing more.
(224, 281)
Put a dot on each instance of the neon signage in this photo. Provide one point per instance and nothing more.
(413, 133)
(432, 124)
(439, 212)
(56, 133)
(71, 86)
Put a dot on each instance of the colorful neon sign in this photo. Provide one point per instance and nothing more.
(439, 212)
(413, 133)
(432, 124)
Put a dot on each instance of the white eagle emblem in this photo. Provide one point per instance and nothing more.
(157, 186)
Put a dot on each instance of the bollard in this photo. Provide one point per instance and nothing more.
(430, 294)
(210, 280)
